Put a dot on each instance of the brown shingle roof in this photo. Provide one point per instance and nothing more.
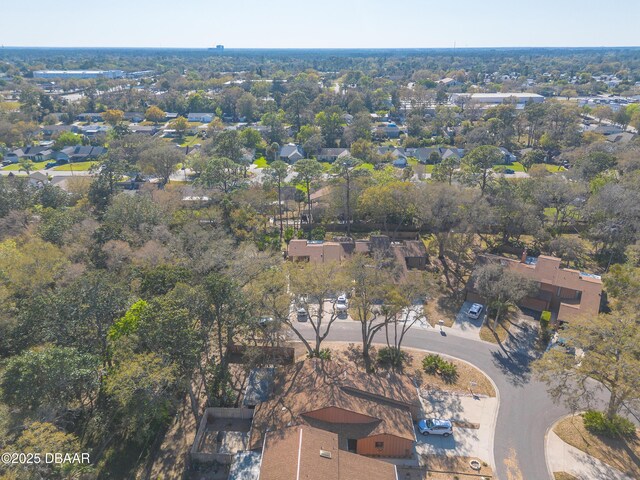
(315, 385)
(294, 454)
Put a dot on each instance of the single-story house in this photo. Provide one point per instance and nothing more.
(332, 154)
(291, 153)
(90, 117)
(35, 154)
(80, 153)
(372, 415)
(200, 117)
(305, 452)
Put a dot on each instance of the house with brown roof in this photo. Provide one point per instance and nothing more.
(371, 415)
(566, 293)
(411, 254)
(304, 452)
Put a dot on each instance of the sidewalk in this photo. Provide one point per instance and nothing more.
(562, 457)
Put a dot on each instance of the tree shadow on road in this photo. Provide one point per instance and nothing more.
(516, 354)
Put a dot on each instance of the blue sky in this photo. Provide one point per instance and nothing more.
(319, 24)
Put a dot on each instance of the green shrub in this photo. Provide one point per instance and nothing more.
(436, 365)
(318, 233)
(325, 354)
(545, 318)
(449, 372)
(597, 423)
(391, 357)
(431, 364)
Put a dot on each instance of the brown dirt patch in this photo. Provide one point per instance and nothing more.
(454, 465)
(621, 454)
(351, 353)
(563, 476)
(443, 307)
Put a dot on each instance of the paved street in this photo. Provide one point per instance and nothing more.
(526, 411)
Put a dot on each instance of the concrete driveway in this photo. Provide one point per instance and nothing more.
(474, 421)
(467, 326)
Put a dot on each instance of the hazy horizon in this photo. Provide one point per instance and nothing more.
(286, 24)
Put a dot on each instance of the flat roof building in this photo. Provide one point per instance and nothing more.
(78, 74)
(487, 100)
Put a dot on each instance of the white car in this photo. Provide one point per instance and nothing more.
(302, 315)
(475, 311)
(432, 426)
(341, 303)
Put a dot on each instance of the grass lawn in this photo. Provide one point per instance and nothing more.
(621, 454)
(261, 162)
(75, 167)
(366, 166)
(515, 166)
(428, 168)
(553, 168)
(36, 166)
(412, 162)
(190, 141)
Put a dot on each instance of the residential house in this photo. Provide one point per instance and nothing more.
(90, 117)
(386, 130)
(149, 130)
(448, 82)
(291, 153)
(200, 117)
(92, 131)
(409, 253)
(79, 153)
(508, 156)
(332, 154)
(371, 415)
(305, 452)
(134, 117)
(33, 153)
(566, 293)
(49, 131)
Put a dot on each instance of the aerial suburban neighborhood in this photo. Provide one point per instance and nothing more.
(318, 263)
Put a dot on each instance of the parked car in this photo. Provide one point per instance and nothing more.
(509, 171)
(264, 322)
(433, 426)
(341, 303)
(302, 315)
(51, 165)
(475, 311)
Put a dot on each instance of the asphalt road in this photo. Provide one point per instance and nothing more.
(526, 411)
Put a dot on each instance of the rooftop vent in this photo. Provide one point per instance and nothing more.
(325, 454)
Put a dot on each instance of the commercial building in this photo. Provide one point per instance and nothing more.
(60, 74)
(488, 100)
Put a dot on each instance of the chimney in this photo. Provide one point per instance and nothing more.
(524, 256)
